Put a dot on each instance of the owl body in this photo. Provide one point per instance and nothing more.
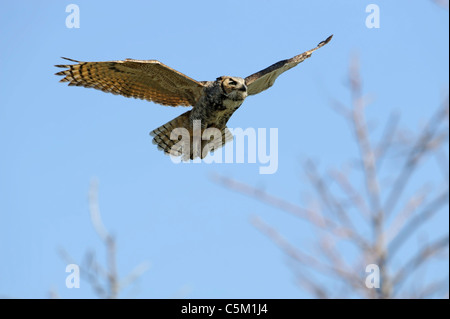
(214, 102)
(220, 99)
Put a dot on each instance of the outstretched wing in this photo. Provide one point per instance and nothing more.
(264, 79)
(143, 79)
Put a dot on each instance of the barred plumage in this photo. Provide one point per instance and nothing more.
(148, 80)
(162, 138)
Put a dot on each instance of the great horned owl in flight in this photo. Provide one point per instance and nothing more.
(213, 101)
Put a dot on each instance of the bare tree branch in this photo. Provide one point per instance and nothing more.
(413, 204)
(419, 259)
(91, 270)
(354, 196)
(328, 199)
(387, 139)
(305, 259)
(417, 152)
(411, 226)
(441, 3)
(314, 218)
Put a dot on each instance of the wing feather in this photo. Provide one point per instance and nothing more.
(264, 79)
(149, 80)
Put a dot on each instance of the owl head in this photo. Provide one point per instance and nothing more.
(233, 87)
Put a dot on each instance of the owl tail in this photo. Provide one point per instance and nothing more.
(182, 137)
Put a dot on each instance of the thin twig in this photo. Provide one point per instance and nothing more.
(418, 220)
(419, 259)
(387, 140)
(314, 218)
(305, 259)
(417, 152)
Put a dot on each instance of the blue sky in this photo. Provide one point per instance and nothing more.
(195, 234)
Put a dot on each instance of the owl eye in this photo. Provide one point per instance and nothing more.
(232, 82)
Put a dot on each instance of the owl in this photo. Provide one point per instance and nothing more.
(213, 102)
